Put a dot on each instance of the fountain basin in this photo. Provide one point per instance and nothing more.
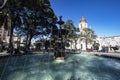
(44, 67)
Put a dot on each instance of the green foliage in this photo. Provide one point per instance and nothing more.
(38, 45)
(69, 25)
(96, 46)
(29, 17)
(87, 35)
(73, 31)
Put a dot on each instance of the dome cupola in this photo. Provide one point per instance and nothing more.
(83, 20)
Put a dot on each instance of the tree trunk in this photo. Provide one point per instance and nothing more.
(2, 34)
(2, 37)
(11, 25)
(75, 44)
(86, 43)
(11, 40)
(71, 45)
(28, 43)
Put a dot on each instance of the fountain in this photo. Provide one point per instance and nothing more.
(59, 46)
(44, 67)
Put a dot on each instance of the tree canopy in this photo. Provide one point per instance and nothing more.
(28, 18)
(73, 32)
(87, 35)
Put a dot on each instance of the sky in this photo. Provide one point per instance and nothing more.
(103, 16)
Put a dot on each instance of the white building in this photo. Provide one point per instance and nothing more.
(103, 41)
(111, 41)
(81, 44)
(83, 24)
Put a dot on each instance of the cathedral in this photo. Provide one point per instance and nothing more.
(81, 44)
(108, 42)
(83, 24)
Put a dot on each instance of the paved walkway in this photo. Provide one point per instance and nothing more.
(114, 55)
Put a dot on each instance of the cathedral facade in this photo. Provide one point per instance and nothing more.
(108, 42)
(81, 44)
(83, 24)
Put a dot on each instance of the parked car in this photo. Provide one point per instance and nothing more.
(89, 49)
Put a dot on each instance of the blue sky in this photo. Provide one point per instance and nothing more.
(102, 15)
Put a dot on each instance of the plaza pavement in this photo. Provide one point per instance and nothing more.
(113, 55)
(104, 54)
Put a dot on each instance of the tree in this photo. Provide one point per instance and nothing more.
(87, 36)
(73, 32)
(38, 45)
(36, 21)
(2, 23)
(96, 46)
(30, 17)
(10, 14)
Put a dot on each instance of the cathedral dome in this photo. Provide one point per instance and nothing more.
(83, 20)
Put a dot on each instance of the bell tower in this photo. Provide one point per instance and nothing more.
(82, 24)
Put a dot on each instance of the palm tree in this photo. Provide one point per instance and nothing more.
(87, 36)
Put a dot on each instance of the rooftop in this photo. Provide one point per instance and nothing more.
(83, 20)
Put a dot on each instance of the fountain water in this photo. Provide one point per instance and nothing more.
(75, 67)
